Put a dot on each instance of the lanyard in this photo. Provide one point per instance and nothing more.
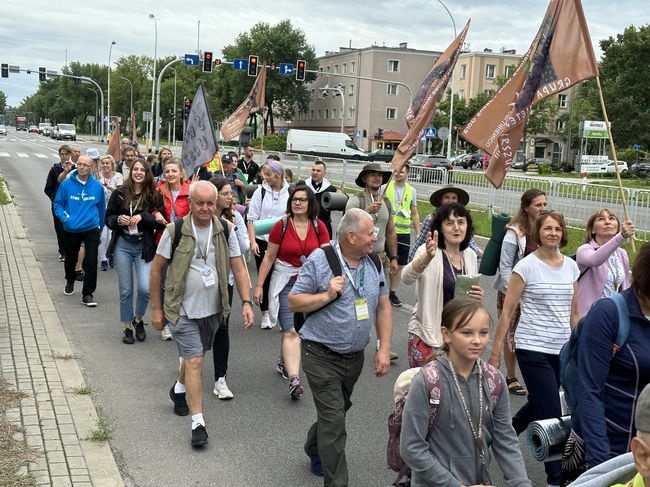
(346, 269)
(131, 207)
(204, 256)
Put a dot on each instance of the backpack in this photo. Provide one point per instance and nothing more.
(285, 221)
(178, 225)
(569, 351)
(433, 383)
(492, 253)
(335, 266)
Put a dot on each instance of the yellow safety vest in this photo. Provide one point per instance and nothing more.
(402, 211)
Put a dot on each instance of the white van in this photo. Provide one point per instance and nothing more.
(67, 131)
(328, 144)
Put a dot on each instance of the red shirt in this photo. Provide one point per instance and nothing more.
(291, 247)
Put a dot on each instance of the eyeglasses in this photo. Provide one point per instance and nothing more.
(299, 200)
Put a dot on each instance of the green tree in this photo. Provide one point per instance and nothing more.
(280, 43)
(3, 102)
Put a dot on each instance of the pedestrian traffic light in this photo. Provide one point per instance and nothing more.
(207, 62)
(301, 66)
(5, 70)
(41, 74)
(252, 65)
(380, 134)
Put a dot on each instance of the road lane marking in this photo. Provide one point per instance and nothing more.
(41, 156)
(22, 154)
(4, 154)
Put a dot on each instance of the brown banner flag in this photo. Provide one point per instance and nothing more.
(199, 142)
(114, 145)
(560, 56)
(253, 103)
(424, 104)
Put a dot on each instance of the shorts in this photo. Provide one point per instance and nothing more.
(403, 248)
(419, 353)
(194, 337)
(285, 315)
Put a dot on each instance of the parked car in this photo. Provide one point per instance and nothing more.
(642, 168)
(611, 169)
(33, 129)
(422, 166)
(471, 161)
(519, 165)
(46, 131)
(3, 130)
(381, 155)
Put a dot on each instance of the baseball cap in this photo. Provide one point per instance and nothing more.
(92, 153)
(642, 413)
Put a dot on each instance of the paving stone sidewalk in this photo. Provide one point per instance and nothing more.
(36, 358)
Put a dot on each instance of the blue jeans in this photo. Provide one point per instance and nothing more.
(128, 255)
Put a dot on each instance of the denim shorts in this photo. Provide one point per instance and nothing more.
(285, 315)
(194, 337)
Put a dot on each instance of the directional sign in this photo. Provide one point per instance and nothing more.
(636, 147)
(443, 132)
(240, 64)
(429, 133)
(191, 59)
(287, 68)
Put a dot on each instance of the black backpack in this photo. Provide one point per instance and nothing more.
(178, 225)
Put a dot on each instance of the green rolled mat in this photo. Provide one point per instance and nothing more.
(492, 252)
(263, 227)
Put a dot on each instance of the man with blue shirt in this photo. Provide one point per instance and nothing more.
(80, 206)
(343, 309)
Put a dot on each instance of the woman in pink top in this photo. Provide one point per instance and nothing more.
(604, 266)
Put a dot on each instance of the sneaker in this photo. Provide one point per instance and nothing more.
(295, 388)
(281, 370)
(61, 257)
(393, 356)
(166, 334)
(128, 336)
(315, 466)
(394, 300)
(104, 265)
(140, 334)
(221, 389)
(180, 403)
(111, 263)
(89, 301)
(199, 437)
(68, 290)
(266, 324)
(79, 275)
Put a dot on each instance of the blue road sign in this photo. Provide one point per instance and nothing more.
(636, 147)
(191, 59)
(429, 132)
(240, 64)
(287, 68)
(282, 131)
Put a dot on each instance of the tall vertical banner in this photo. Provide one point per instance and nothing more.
(199, 142)
(114, 145)
(424, 104)
(560, 56)
(254, 102)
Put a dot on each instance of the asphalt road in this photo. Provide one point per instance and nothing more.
(256, 439)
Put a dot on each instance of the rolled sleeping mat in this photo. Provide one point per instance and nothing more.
(546, 438)
(250, 189)
(334, 201)
(492, 253)
(263, 227)
(241, 209)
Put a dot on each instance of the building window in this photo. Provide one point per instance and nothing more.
(351, 89)
(327, 69)
(391, 113)
(562, 101)
(392, 89)
(333, 113)
(345, 68)
(311, 116)
(320, 68)
(461, 94)
(393, 66)
(560, 124)
(352, 66)
(490, 70)
(342, 87)
(488, 92)
(336, 69)
(318, 115)
(509, 70)
(350, 113)
(327, 114)
(463, 71)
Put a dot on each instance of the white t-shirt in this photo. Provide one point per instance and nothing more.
(200, 301)
(544, 325)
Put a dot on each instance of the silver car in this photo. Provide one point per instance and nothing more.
(3, 130)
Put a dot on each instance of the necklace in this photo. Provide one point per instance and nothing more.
(452, 266)
(476, 430)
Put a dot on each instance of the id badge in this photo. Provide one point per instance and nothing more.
(208, 277)
(133, 229)
(361, 309)
(376, 231)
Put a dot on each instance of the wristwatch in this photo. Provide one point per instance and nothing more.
(244, 301)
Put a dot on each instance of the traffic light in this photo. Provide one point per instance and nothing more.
(301, 65)
(380, 134)
(217, 62)
(5, 70)
(207, 62)
(41, 74)
(252, 65)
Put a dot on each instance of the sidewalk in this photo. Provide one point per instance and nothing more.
(36, 358)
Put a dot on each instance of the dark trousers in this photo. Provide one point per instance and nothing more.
(331, 378)
(58, 229)
(263, 245)
(541, 372)
(221, 344)
(72, 244)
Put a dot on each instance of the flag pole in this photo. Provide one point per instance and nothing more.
(612, 148)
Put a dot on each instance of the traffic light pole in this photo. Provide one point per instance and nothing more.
(157, 117)
(366, 78)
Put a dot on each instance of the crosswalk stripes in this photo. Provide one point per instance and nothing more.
(38, 155)
(4, 154)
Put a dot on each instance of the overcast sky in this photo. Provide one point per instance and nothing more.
(42, 33)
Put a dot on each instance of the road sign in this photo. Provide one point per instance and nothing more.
(146, 116)
(282, 131)
(287, 68)
(636, 147)
(240, 64)
(191, 59)
(357, 133)
(443, 132)
(429, 133)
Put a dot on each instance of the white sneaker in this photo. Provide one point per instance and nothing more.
(266, 324)
(221, 389)
(166, 334)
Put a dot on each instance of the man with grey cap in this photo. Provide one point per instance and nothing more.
(630, 469)
(94, 155)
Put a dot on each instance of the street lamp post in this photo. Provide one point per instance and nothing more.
(108, 105)
(153, 78)
(133, 135)
(174, 111)
(451, 102)
(96, 114)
